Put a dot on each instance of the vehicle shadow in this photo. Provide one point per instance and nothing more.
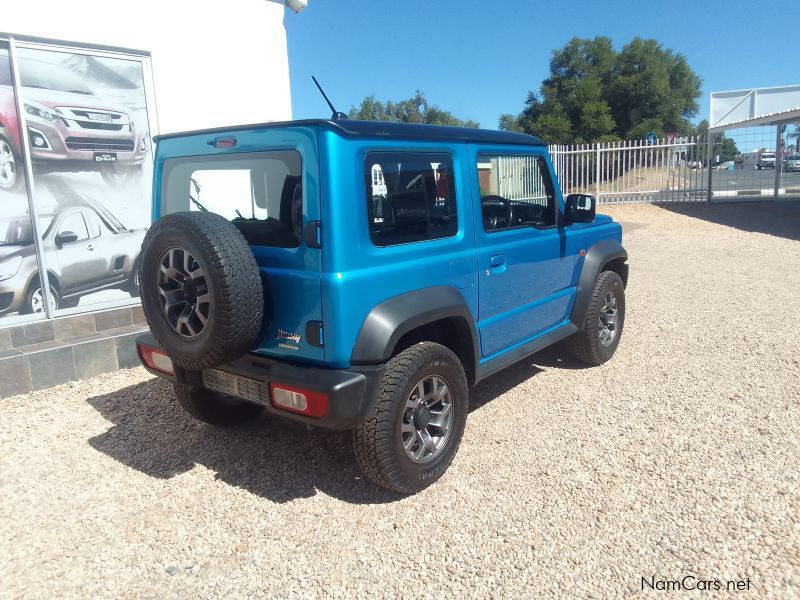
(778, 218)
(271, 457)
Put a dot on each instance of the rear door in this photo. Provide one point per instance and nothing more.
(525, 269)
(267, 184)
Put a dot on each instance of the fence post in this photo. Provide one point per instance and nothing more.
(710, 160)
(597, 174)
(778, 159)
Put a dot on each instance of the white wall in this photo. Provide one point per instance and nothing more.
(214, 62)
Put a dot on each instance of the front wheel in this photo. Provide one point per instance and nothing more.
(34, 299)
(10, 174)
(598, 339)
(417, 421)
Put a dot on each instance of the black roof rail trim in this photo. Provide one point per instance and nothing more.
(384, 129)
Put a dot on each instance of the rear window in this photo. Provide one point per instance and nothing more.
(260, 193)
(410, 197)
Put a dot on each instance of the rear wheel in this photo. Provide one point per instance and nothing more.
(417, 422)
(215, 409)
(597, 341)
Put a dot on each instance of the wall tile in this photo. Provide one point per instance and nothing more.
(5, 340)
(138, 315)
(52, 367)
(127, 357)
(15, 376)
(73, 326)
(93, 358)
(32, 333)
(111, 319)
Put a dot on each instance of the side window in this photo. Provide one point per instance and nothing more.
(410, 197)
(74, 222)
(93, 223)
(516, 191)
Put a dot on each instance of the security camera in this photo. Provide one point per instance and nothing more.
(296, 5)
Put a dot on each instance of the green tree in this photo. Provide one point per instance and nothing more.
(594, 93)
(416, 109)
(724, 147)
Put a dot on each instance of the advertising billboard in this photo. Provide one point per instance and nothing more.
(87, 125)
(17, 249)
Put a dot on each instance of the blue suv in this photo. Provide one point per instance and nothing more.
(362, 275)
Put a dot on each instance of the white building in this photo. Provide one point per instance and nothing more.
(213, 63)
(84, 87)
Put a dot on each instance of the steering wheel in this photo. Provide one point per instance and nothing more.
(493, 220)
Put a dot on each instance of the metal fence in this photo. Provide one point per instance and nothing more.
(519, 178)
(674, 170)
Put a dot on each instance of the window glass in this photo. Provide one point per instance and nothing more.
(5, 67)
(516, 191)
(74, 222)
(93, 224)
(260, 193)
(410, 197)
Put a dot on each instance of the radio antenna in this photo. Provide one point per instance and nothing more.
(335, 114)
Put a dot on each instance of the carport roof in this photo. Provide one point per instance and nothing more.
(754, 107)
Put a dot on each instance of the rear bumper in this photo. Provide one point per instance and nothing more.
(351, 392)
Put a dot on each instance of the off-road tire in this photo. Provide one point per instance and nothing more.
(585, 345)
(215, 409)
(234, 283)
(377, 440)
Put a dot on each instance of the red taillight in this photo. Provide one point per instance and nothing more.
(155, 359)
(225, 143)
(298, 400)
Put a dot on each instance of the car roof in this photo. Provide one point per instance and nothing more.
(385, 129)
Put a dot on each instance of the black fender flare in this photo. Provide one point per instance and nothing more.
(390, 320)
(597, 257)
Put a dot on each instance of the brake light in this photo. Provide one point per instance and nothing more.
(298, 400)
(225, 142)
(155, 359)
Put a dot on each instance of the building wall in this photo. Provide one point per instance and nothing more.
(213, 65)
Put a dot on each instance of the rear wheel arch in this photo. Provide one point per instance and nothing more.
(450, 332)
(398, 323)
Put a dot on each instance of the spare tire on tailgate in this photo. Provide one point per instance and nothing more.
(201, 289)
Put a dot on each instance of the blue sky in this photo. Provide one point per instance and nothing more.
(478, 60)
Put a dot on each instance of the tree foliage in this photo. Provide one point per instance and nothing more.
(595, 93)
(724, 147)
(416, 109)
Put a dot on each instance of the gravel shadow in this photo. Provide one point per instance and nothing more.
(502, 382)
(778, 218)
(271, 457)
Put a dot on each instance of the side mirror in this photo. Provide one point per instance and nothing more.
(66, 237)
(580, 208)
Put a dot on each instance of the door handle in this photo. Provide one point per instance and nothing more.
(497, 264)
(498, 260)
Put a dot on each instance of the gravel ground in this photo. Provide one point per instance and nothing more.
(679, 457)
